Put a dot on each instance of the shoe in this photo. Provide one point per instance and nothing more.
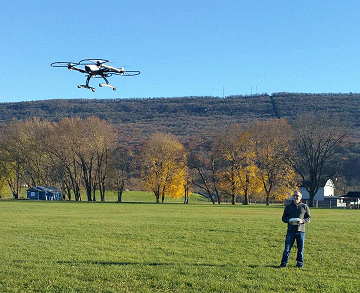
(283, 265)
(299, 266)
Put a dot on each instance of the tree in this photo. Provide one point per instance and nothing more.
(3, 179)
(80, 149)
(86, 147)
(104, 141)
(118, 170)
(23, 156)
(274, 158)
(163, 166)
(11, 157)
(317, 142)
(187, 188)
(238, 174)
(72, 152)
(204, 160)
(58, 146)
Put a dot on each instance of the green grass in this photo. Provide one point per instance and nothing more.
(146, 247)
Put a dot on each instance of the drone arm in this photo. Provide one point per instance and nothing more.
(128, 73)
(110, 68)
(77, 69)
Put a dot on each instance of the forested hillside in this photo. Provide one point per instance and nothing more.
(188, 116)
(346, 106)
(191, 122)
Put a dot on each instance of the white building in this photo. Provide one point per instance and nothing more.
(322, 193)
(325, 197)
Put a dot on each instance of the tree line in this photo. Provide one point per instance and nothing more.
(263, 159)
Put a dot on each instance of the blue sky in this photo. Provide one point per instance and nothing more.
(182, 48)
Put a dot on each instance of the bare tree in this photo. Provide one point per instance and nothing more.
(204, 161)
(58, 148)
(23, 156)
(118, 169)
(85, 148)
(317, 142)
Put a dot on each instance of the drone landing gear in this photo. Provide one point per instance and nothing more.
(108, 85)
(86, 86)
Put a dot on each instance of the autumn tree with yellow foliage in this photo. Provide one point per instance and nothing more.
(164, 166)
(273, 153)
(239, 173)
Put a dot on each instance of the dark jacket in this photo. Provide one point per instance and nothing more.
(294, 210)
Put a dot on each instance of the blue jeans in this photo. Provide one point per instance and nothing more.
(289, 242)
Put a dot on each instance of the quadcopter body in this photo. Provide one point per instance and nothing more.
(95, 68)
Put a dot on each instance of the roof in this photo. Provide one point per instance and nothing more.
(323, 183)
(44, 188)
(352, 194)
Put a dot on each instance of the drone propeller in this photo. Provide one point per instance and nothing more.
(130, 73)
(64, 64)
(97, 62)
(69, 65)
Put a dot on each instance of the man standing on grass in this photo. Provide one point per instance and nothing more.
(296, 214)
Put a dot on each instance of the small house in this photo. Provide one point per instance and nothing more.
(44, 193)
(332, 202)
(352, 199)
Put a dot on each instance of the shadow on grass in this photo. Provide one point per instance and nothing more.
(112, 263)
(264, 266)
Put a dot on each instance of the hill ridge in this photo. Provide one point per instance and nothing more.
(193, 115)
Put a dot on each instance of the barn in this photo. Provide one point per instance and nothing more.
(323, 192)
(44, 193)
(325, 197)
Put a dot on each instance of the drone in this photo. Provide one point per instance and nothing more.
(95, 68)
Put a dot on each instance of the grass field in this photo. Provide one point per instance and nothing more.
(146, 247)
